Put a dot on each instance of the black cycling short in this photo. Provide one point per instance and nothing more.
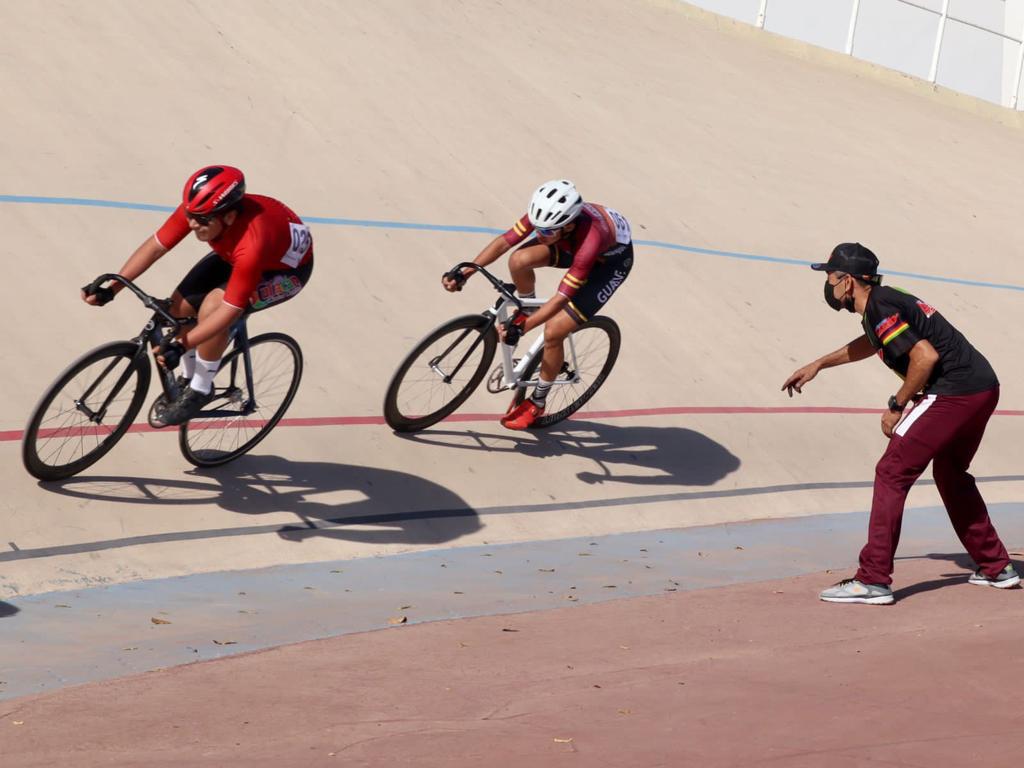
(275, 287)
(610, 271)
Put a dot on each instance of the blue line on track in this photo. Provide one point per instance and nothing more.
(370, 223)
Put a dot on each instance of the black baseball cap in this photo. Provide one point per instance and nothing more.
(851, 258)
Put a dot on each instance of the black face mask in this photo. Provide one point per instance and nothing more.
(836, 304)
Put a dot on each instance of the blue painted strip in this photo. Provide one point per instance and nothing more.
(802, 263)
(712, 252)
(374, 224)
(400, 225)
(84, 201)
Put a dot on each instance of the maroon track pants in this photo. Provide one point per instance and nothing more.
(946, 430)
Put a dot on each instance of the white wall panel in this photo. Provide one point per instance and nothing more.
(980, 51)
(971, 61)
(896, 35)
(824, 23)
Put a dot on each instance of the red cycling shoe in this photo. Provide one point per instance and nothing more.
(522, 416)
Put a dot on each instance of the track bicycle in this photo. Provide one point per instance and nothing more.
(447, 366)
(94, 401)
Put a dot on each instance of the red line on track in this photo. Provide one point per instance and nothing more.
(692, 410)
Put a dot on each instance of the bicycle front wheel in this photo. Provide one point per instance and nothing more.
(239, 416)
(590, 354)
(440, 373)
(85, 411)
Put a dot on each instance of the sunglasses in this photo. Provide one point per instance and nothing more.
(202, 221)
(548, 232)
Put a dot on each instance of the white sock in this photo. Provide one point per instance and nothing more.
(202, 379)
(188, 364)
(540, 392)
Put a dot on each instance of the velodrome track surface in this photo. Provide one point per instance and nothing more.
(409, 134)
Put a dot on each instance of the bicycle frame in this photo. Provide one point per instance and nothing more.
(512, 370)
(153, 334)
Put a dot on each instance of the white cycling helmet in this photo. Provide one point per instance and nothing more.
(555, 204)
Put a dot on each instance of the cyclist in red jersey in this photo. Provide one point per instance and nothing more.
(593, 241)
(261, 255)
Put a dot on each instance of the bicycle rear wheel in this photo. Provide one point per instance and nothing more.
(440, 373)
(596, 344)
(232, 423)
(85, 411)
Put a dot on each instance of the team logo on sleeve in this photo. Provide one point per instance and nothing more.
(887, 324)
(889, 328)
(926, 308)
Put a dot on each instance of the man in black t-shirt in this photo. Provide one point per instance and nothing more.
(938, 415)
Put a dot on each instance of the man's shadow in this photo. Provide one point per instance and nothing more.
(342, 501)
(634, 454)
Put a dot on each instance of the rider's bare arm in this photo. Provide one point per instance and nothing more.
(145, 256)
(858, 349)
(491, 253)
(142, 259)
(494, 250)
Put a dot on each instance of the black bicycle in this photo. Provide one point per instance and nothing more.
(94, 402)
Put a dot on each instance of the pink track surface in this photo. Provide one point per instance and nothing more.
(756, 674)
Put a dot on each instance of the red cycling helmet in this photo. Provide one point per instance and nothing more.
(213, 189)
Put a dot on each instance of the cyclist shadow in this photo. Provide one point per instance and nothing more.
(6, 609)
(381, 506)
(339, 501)
(639, 455)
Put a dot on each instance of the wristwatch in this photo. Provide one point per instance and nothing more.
(895, 406)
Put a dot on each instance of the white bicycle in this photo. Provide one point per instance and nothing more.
(447, 366)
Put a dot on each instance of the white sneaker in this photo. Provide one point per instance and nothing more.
(854, 591)
(1005, 579)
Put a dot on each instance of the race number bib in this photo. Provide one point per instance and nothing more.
(623, 234)
(301, 243)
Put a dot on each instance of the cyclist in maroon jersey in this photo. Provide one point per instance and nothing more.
(261, 255)
(592, 241)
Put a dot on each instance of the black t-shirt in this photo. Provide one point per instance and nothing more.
(895, 321)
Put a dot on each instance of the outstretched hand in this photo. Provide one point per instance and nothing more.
(799, 377)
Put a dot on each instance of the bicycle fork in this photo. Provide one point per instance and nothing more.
(97, 416)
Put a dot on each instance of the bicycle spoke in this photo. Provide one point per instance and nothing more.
(230, 425)
(440, 373)
(590, 354)
(62, 437)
